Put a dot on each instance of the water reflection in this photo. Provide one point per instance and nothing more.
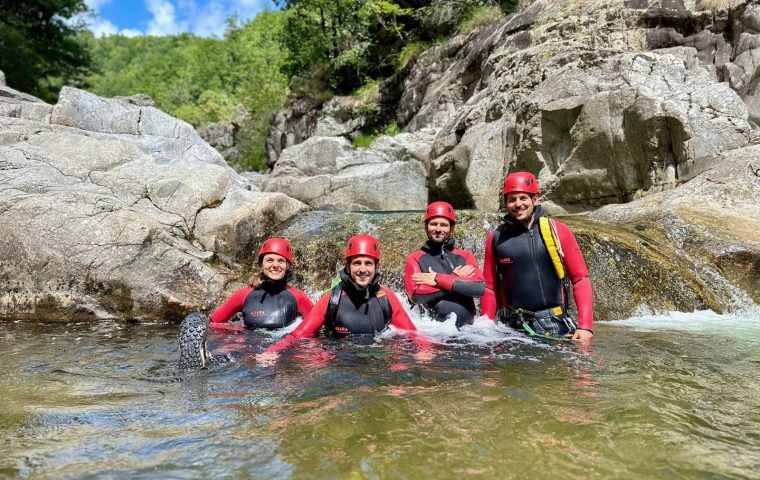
(84, 400)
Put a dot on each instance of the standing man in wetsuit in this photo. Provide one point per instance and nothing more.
(527, 261)
(439, 278)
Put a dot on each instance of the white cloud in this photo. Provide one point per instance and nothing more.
(164, 21)
(130, 32)
(101, 27)
(96, 4)
(207, 18)
(211, 20)
(204, 18)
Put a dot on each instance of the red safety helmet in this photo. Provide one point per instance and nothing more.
(362, 245)
(520, 182)
(440, 209)
(280, 246)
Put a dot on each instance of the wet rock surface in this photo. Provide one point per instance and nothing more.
(605, 103)
(114, 209)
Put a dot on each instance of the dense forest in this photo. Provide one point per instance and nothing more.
(314, 48)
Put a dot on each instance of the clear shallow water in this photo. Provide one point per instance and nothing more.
(673, 396)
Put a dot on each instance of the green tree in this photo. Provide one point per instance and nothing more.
(257, 72)
(344, 41)
(39, 50)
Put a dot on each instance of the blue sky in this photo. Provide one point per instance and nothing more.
(205, 18)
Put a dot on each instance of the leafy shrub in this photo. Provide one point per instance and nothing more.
(410, 52)
(480, 17)
(364, 140)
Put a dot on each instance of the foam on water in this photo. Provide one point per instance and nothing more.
(745, 323)
(483, 332)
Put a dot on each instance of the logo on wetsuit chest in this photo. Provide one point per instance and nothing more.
(257, 313)
(505, 260)
(340, 329)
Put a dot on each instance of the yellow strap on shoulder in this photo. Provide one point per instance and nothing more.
(552, 245)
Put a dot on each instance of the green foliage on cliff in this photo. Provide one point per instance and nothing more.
(310, 48)
(39, 52)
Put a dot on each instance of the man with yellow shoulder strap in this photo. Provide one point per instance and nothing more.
(529, 260)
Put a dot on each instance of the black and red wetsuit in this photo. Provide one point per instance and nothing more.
(358, 312)
(519, 271)
(273, 304)
(453, 294)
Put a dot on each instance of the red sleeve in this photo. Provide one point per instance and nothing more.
(304, 302)
(488, 304)
(578, 275)
(399, 318)
(478, 276)
(308, 327)
(230, 307)
(446, 280)
(412, 288)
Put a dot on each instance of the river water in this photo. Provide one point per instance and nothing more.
(672, 396)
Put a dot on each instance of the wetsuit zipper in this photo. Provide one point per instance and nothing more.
(447, 258)
(280, 312)
(535, 264)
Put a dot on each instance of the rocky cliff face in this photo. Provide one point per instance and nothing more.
(111, 208)
(641, 114)
(605, 102)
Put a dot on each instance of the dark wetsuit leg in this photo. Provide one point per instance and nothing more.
(444, 308)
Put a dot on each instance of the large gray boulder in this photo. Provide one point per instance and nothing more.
(328, 173)
(113, 209)
(711, 222)
(632, 127)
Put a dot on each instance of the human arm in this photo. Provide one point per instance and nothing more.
(231, 306)
(424, 291)
(488, 304)
(470, 286)
(401, 320)
(303, 301)
(308, 327)
(577, 273)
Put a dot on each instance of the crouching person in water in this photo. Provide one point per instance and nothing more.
(440, 278)
(358, 305)
(528, 260)
(268, 302)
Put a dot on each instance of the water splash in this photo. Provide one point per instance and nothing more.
(744, 323)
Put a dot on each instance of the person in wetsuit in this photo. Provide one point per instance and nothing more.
(267, 302)
(440, 279)
(522, 282)
(358, 305)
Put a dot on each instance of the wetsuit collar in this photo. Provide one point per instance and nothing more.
(435, 248)
(354, 290)
(274, 286)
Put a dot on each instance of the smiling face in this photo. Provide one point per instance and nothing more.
(438, 229)
(362, 269)
(274, 266)
(521, 205)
